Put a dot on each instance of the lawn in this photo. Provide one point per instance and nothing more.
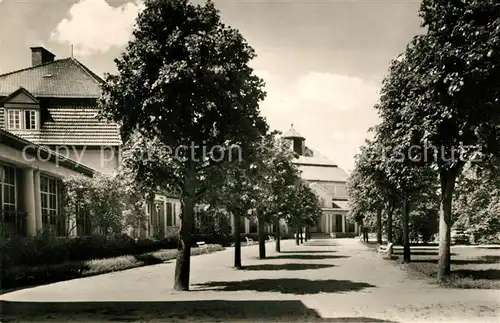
(471, 267)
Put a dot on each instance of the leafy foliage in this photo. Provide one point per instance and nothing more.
(303, 206)
(442, 95)
(107, 203)
(184, 94)
(477, 205)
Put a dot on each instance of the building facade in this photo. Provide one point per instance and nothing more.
(328, 181)
(50, 108)
(31, 187)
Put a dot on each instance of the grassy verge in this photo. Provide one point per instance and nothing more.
(17, 277)
(468, 271)
(471, 267)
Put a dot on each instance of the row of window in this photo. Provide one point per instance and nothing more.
(156, 213)
(8, 192)
(18, 119)
(49, 197)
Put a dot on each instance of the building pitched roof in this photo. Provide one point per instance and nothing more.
(292, 133)
(344, 205)
(316, 185)
(322, 173)
(74, 126)
(313, 165)
(63, 78)
(44, 153)
(17, 92)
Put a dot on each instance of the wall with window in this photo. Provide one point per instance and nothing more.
(47, 209)
(9, 189)
(51, 200)
(12, 214)
(12, 200)
(339, 190)
(324, 196)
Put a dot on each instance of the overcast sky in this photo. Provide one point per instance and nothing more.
(323, 61)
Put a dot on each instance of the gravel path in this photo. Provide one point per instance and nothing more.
(335, 280)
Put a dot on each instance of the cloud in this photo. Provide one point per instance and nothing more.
(93, 26)
(333, 112)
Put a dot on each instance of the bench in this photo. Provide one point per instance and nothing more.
(271, 238)
(202, 245)
(386, 251)
(249, 240)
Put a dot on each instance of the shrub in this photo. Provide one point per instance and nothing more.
(46, 249)
(21, 276)
(104, 203)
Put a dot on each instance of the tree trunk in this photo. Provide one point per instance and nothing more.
(406, 230)
(262, 238)
(183, 262)
(390, 211)
(306, 232)
(237, 241)
(297, 235)
(301, 230)
(447, 178)
(379, 226)
(278, 235)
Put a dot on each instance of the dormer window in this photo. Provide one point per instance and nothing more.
(30, 119)
(14, 119)
(22, 111)
(22, 119)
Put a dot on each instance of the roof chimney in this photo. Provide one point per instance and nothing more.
(40, 55)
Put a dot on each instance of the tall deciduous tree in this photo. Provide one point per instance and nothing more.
(303, 207)
(273, 173)
(368, 186)
(451, 103)
(185, 90)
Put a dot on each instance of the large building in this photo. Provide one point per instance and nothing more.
(48, 113)
(327, 180)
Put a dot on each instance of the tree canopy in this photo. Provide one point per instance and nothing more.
(184, 96)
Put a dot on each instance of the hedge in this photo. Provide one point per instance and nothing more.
(48, 250)
(22, 276)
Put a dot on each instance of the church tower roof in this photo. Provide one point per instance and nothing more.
(292, 133)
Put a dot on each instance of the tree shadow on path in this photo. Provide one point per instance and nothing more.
(171, 311)
(288, 286)
(306, 257)
(286, 267)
